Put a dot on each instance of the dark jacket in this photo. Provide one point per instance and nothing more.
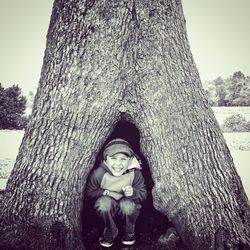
(101, 179)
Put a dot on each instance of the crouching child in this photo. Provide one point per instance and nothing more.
(118, 188)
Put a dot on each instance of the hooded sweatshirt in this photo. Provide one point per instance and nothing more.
(102, 179)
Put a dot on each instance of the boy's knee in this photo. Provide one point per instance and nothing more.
(127, 206)
(103, 204)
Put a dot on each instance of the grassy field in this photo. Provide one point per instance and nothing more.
(10, 142)
(239, 144)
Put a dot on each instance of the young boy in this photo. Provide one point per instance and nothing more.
(118, 187)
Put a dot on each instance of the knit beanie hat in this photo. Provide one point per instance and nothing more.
(117, 146)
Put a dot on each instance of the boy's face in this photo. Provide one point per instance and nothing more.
(118, 163)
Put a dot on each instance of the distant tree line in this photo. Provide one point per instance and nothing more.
(233, 91)
(12, 108)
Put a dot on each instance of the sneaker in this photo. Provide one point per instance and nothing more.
(106, 240)
(128, 240)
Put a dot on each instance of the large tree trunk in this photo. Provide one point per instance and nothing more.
(110, 60)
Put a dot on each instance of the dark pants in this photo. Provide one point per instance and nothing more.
(108, 209)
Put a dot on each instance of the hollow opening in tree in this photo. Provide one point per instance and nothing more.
(150, 221)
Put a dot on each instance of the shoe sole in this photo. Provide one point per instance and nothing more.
(106, 245)
(128, 243)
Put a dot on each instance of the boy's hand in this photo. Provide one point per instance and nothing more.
(128, 190)
(113, 194)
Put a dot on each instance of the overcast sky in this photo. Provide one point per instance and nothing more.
(218, 31)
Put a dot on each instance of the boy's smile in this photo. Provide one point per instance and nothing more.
(118, 163)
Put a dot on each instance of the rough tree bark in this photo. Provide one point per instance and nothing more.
(105, 61)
